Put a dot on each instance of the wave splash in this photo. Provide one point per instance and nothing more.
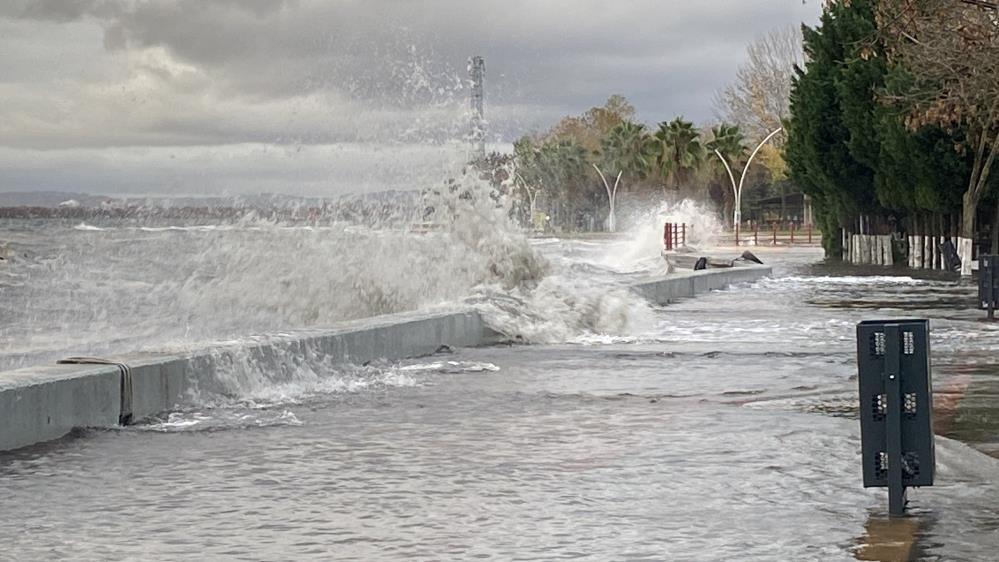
(114, 288)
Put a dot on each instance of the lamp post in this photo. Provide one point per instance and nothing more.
(611, 196)
(532, 196)
(737, 189)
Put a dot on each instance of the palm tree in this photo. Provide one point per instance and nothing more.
(728, 143)
(626, 151)
(679, 150)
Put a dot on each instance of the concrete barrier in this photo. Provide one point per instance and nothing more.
(46, 402)
(686, 284)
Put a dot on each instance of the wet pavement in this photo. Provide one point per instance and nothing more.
(725, 431)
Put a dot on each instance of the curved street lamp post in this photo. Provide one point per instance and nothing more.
(532, 196)
(611, 196)
(737, 189)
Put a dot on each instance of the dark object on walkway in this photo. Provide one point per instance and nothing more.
(896, 406)
(749, 256)
(951, 260)
(988, 279)
(702, 263)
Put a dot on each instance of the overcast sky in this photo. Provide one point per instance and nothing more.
(323, 97)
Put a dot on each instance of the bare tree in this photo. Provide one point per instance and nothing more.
(758, 100)
(951, 53)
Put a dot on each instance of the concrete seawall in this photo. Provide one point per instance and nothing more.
(46, 402)
(686, 284)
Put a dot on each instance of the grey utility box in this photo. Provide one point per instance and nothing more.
(896, 405)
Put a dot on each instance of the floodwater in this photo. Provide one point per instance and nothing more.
(724, 430)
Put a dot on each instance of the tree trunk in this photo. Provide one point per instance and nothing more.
(969, 206)
(995, 231)
(941, 233)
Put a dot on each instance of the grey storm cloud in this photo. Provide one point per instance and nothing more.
(93, 74)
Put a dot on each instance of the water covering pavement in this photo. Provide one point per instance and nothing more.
(727, 430)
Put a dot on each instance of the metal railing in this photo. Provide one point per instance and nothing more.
(674, 235)
(776, 233)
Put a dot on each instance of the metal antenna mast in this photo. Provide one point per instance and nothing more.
(477, 71)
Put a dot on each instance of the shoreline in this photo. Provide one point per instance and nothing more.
(46, 402)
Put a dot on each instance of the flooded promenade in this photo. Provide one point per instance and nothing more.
(726, 430)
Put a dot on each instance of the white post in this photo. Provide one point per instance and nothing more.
(532, 197)
(964, 252)
(927, 253)
(936, 252)
(611, 196)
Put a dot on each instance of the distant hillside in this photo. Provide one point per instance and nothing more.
(47, 198)
(52, 199)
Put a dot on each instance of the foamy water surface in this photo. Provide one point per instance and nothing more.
(724, 430)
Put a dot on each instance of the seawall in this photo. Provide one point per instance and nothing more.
(686, 284)
(46, 402)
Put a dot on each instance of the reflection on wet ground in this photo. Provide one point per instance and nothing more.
(726, 432)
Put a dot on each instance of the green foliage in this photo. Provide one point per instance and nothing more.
(554, 165)
(679, 151)
(593, 125)
(847, 146)
(562, 163)
(628, 149)
(818, 148)
(729, 141)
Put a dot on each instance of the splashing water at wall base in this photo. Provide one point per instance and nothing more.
(121, 286)
(639, 248)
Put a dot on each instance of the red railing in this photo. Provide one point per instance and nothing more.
(787, 233)
(674, 235)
